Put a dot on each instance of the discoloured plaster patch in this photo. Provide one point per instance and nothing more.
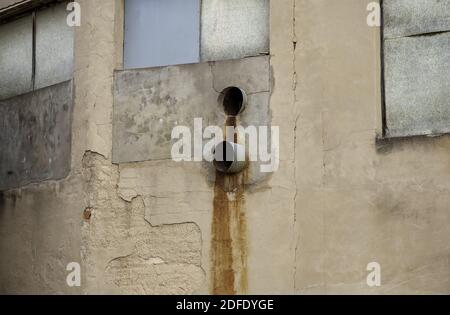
(136, 275)
(124, 253)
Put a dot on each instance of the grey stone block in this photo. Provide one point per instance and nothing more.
(35, 136)
(149, 103)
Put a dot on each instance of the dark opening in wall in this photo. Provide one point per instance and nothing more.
(233, 100)
(229, 157)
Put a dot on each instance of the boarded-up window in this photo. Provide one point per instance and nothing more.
(234, 29)
(16, 55)
(54, 46)
(33, 59)
(416, 67)
(159, 33)
(170, 32)
(36, 66)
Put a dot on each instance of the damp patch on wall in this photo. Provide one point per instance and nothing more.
(35, 137)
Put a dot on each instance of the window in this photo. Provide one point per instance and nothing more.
(161, 32)
(169, 32)
(36, 55)
(416, 44)
(36, 51)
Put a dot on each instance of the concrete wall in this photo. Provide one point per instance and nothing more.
(357, 201)
(340, 199)
(41, 224)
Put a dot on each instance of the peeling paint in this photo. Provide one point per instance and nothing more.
(123, 253)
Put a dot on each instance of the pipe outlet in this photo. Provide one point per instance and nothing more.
(233, 100)
(229, 157)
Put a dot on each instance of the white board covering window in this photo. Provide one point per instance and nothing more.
(170, 32)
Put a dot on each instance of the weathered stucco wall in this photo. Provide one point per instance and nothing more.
(357, 201)
(339, 200)
(41, 224)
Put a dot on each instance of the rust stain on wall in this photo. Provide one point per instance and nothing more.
(229, 237)
(229, 229)
(87, 213)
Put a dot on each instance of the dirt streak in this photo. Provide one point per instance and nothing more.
(229, 236)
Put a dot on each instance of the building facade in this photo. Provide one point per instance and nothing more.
(87, 176)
